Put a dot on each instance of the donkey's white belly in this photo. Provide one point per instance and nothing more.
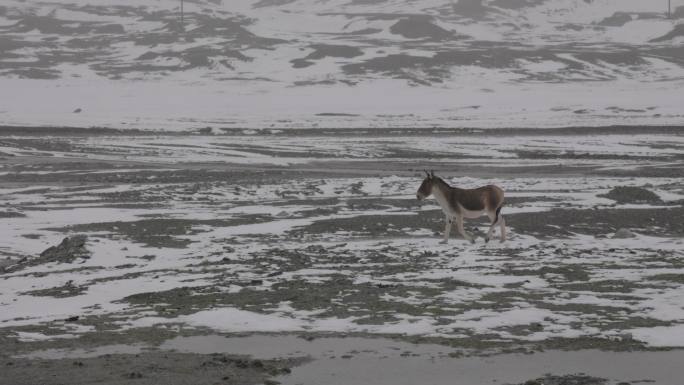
(471, 214)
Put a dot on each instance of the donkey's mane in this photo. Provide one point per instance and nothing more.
(441, 182)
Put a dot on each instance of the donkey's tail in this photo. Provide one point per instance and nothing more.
(496, 217)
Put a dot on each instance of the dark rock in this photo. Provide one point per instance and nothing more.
(570, 379)
(618, 19)
(418, 27)
(242, 363)
(133, 375)
(624, 234)
(66, 252)
(629, 194)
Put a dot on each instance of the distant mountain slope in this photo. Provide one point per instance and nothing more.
(262, 47)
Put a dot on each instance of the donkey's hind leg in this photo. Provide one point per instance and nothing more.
(459, 224)
(493, 218)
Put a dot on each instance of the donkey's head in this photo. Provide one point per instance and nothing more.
(425, 188)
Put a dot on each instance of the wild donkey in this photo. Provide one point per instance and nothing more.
(458, 203)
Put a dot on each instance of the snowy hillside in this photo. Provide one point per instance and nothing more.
(340, 63)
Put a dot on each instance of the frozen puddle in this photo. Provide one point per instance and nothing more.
(380, 361)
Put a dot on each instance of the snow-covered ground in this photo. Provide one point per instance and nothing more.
(285, 233)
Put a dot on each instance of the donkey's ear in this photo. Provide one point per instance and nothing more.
(432, 173)
(427, 173)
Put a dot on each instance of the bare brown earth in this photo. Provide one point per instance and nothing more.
(145, 368)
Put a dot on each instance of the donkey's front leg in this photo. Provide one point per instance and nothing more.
(490, 233)
(447, 228)
(459, 224)
(502, 224)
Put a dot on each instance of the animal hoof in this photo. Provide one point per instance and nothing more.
(444, 242)
(487, 240)
(472, 241)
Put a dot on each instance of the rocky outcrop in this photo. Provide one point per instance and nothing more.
(70, 249)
